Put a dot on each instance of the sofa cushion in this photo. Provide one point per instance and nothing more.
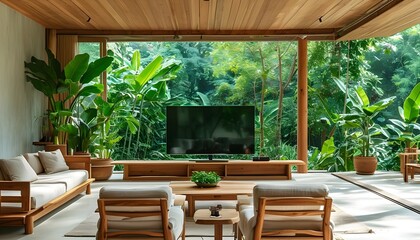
(40, 194)
(17, 169)
(70, 178)
(33, 160)
(53, 161)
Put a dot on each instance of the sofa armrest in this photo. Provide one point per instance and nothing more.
(79, 162)
(20, 198)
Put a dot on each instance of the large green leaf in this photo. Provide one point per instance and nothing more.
(148, 72)
(91, 89)
(379, 106)
(415, 94)
(362, 96)
(135, 61)
(75, 69)
(95, 69)
(411, 110)
(157, 92)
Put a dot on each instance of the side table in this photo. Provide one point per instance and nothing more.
(227, 216)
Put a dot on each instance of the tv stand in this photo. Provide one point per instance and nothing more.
(210, 160)
(181, 170)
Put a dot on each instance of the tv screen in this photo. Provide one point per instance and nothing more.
(210, 129)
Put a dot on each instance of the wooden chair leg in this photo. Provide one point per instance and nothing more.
(239, 233)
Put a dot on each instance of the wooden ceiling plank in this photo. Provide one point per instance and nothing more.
(194, 14)
(290, 12)
(353, 11)
(401, 17)
(368, 17)
(204, 15)
(68, 10)
(227, 10)
(240, 15)
(98, 18)
(212, 15)
(180, 14)
(268, 15)
(233, 14)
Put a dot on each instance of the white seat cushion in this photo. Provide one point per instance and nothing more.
(70, 178)
(40, 194)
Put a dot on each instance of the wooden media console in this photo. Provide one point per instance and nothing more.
(175, 170)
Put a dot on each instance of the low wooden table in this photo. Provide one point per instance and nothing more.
(410, 169)
(227, 216)
(226, 190)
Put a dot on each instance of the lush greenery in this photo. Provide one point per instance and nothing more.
(341, 75)
(205, 177)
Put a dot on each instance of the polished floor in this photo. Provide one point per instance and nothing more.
(388, 219)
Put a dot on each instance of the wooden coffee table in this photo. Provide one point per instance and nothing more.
(227, 216)
(226, 190)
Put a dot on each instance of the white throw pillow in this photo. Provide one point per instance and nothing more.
(17, 169)
(53, 161)
(33, 160)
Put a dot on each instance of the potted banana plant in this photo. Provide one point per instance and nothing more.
(366, 136)
(65, 87)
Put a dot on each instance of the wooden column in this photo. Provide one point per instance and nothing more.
(302, 99)
(51, 40)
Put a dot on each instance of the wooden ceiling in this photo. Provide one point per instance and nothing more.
(208, 20)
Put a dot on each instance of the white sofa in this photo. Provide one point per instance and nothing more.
(32, 185)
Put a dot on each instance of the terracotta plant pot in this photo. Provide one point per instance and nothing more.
(101, 168)
(365, 165)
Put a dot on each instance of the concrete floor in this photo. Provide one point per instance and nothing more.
(388, 220)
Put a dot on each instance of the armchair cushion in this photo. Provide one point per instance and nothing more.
(248, 213)
(53, 161)
(151, 223)
(17, 169)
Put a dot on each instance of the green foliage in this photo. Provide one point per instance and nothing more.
(205, 177)
(146, 89)
(405, 130)
(73, 82)
(364, 131)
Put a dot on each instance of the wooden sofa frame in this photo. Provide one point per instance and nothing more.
(24, 215)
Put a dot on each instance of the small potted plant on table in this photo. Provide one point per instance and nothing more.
(205, 179)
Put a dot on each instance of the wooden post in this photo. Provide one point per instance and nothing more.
(51, 40)
(302, 99)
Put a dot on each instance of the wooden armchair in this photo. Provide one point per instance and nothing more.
(141, 212)
(294, 211)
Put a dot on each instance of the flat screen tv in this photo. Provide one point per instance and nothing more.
(210, 130)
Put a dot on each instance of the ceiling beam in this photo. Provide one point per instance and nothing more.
(310, 34)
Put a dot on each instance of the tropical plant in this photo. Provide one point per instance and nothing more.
(364, 132)
(409, 113)
(64, 88)
(205, 177)
(148, 89)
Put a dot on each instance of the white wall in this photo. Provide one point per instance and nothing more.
(20, 104)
